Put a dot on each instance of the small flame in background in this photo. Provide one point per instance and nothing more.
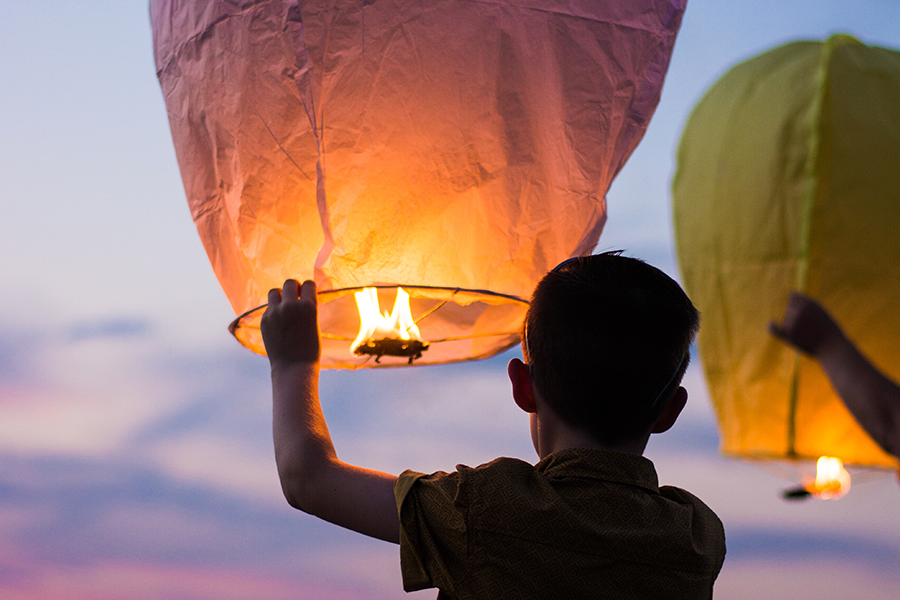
(398, 325)
(832, 480)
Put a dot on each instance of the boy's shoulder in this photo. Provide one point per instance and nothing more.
(570, 470)
(507, 490)
(581, 507)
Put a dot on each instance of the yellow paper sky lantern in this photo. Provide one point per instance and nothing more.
(789, 179)
(457, 149)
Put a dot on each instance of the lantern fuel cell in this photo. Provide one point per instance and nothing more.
(456, 149)
(394, 334)
(392, 347)
(832, 482)
(796, 493)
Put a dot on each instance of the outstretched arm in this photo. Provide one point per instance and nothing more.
(872, 398)
(312, 477)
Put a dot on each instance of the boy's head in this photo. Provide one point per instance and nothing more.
(607, 340)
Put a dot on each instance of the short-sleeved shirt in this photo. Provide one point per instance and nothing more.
(582, 523)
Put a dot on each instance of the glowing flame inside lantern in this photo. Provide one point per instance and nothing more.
(393, 334)
(832, 480)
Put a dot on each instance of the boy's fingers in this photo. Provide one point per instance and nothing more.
(274, 296)
(308, 291)
(291, 290)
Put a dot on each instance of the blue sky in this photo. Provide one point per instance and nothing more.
(135, 437)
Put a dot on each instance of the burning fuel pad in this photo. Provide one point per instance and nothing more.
(787, 180)
(394, 334)
(832, 481)
(456, 149)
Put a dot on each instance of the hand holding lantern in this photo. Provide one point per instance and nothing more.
(806, 326)
(290, 326)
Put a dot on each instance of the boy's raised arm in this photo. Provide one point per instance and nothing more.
(872, 397)
(312, 477)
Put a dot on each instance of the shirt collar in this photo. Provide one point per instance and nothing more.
(595, 463)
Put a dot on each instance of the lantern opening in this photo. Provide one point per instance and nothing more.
(394, 334)
(458, 324)
(832, 481)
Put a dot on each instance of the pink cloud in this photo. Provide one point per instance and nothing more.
(157, 581)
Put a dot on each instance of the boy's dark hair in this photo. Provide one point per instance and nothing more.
(607, 340)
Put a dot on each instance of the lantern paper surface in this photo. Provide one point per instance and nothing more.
(458, 149)
(788, 180)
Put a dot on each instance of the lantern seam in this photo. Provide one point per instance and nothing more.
(810, 189)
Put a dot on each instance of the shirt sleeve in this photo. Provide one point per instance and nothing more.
(433, 540)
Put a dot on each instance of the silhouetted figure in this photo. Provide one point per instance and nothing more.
(869, 395)
(606, 340)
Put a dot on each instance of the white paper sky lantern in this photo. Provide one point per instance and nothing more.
(458, 149)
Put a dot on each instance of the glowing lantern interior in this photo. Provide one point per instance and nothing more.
(457, 149)
(787, 180)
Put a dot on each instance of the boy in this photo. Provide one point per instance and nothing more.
(606, 343)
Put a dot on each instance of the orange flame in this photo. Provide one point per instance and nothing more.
(832, 480)
(398, 325)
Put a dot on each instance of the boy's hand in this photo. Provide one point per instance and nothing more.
(290, 327)
(312, 477)
(806, 325)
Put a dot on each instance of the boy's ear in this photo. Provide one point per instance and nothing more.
(670, 413)
(522, 389)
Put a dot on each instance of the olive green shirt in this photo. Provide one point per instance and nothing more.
(582, 523)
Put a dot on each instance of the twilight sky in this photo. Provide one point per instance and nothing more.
(135, 440)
